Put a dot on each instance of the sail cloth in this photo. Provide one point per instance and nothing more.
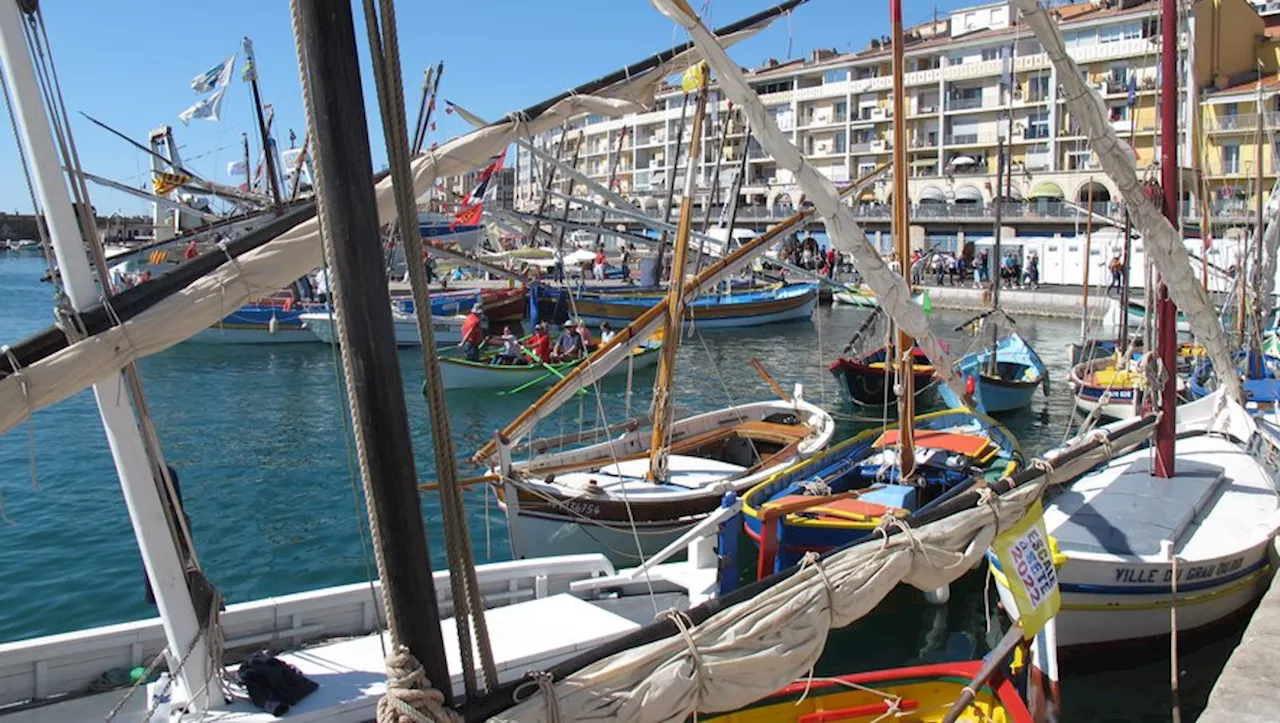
(890, 288)
(278, 263)
(1163, 241)
(1270, 244)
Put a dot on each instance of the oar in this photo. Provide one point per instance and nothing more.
(546, 366)
(777, 388)
(994, 660)
(524, 386)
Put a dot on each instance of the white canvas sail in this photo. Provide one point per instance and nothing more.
(890, 289)
(283, 260)
(1163, 242)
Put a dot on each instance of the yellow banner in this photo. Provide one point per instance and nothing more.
(691, 80)
(164, 183)
(1026, 559)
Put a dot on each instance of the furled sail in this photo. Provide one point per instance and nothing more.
(283, 260)
(1270, 246)
(891, 290)
(1163, 242)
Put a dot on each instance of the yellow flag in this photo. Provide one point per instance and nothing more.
(164, 183)
(692, 78)
(1026, 559)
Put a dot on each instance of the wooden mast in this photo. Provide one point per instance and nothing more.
(992, 366)
(901, 233)
(1166, 428)
(1258, 228)
(663, 410)
(1088, 258)
(251, 74)
(349, 214)
(613, 173)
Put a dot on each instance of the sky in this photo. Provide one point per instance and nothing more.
(130, 65)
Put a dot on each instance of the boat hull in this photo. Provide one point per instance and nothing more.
(462, 374)
(1111, 401)
(864, 380)
(752, 308)
(448, 329)
(1019, 372)
(269, 321)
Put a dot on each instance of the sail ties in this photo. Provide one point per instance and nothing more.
(410, 697)
(684, 625)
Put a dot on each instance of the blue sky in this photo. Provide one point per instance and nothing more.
(130, 65)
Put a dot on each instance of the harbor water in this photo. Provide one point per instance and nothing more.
(259, 439)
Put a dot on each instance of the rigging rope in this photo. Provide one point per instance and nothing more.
(468, 600)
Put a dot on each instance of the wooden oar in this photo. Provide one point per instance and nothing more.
(465, 482)
(994, 660)
(773, 384)
(524, 386)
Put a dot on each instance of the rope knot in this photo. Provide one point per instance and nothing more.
(1043, 465)
(410, 698)
(685, 625)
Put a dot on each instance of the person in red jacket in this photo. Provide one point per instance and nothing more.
(472, 334)
(540, 344)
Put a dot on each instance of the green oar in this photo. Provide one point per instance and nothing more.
(524, 386)
(546, 366)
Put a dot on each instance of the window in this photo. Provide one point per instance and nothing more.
(1038, 89)
(835, 76)
(839, 145)
(1231, 158)
(1120, 112)
(1119, 77)
(1038, 125)
(991, 53)
(842, 112)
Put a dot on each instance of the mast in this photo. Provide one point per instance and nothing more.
(251, 72)
(901, 232)
(995, 291)
(349, 216)
(1258, 228)
(1088, 258)
(663, 410)
(613, 173)
(1122, 333)
(564, 215)
(715, 184)
(734, 190)
(671, 181)
(184, 634)
(248, 164)
(1166, 428)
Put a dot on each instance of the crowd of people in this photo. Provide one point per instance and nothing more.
(572, 343)
(944, 268)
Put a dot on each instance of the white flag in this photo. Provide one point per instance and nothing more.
(237, 168)
(206, 108)
(216, 77)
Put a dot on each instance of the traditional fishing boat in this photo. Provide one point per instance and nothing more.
(484, 374)
(790, 302)
(868, 378)
(921, 694)
(1112, 388)
(1181, 522)
(844, 493)
(1136, 317)
(1259, 373)
(500, 305)
(1004, 381)
(268, 321)
(448, 329)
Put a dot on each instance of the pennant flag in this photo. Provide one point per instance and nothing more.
(1133, 88)
(216, 77)
(237, 168)
(692, 78)
(473, 204)
(166, 183)
(204, 109)
(250, 73)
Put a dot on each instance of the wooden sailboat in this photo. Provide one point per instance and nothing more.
(633, 494)
(867, 377)
(1004, 375)
(1144, 533)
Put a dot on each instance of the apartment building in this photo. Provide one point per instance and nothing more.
(500, 192)
(973, 76)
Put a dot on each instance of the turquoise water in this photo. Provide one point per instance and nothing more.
(257, 436)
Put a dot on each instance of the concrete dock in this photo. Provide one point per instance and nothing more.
(1246, 691)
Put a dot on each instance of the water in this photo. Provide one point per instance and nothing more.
(257, 435)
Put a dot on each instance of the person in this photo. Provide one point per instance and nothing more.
(191, 251)
(806, 258)
(980, 270)
(511, 352)
(1007, 271)
(606, 333)
(584, 333)
(1117, 274)
(568, 346)
(1033, 270)
(597, 269)
(540, 344)
(627, 252)
(917, 269)
(558, 257)
(472, 334)
(831, 262)
(939, 269)
(431, 268)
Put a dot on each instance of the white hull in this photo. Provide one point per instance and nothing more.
(219, 335)
(448, 329)
(804, 311)
(581, 520)
(1118, 410)
(1118, 527)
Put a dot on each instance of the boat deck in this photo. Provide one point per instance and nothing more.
(352, 676)
(1124, 510)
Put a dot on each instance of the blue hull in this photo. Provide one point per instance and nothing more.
(1019, 372)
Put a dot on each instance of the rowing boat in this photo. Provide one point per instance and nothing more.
(1006, 386)
(868, 383)
(462, 374)
(768, 305)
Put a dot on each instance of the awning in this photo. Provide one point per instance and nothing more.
(1047, 189)
(963, 161)
(932, 194)
(925, 163)
(968, 193)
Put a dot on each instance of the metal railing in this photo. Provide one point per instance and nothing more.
(963, 103)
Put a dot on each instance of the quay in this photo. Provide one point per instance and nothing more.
(1245, 691)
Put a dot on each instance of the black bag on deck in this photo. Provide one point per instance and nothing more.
(274, 685)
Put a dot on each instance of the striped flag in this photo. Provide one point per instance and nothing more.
(473, 205)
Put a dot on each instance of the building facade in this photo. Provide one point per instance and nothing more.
(972, 77)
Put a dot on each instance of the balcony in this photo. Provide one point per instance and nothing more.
(1034, 133)
(929, 141)
(963, 103)
(864, 147)
(961, 139)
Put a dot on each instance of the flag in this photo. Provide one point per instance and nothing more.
(473, 205)
(250, 73)
(204, 109)
(1133, 88)
(1026, 561)
(165, 183)
(691, 80)
(216, 77)
(237, 168)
